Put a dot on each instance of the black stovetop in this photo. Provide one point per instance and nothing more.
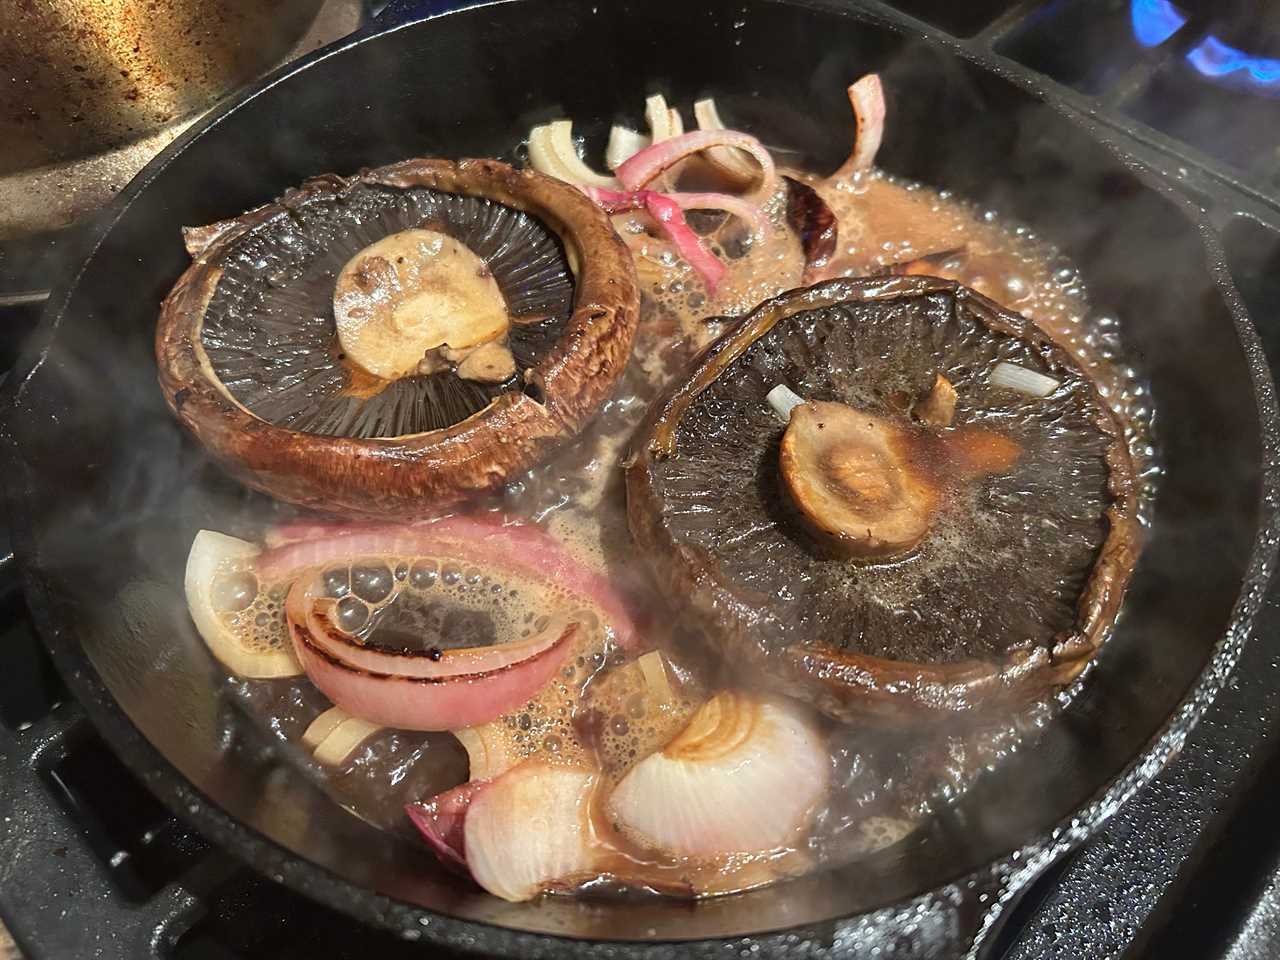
(91, 865)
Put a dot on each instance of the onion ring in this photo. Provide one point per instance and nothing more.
(519, 547)
(615, 201)
(639, 170)
(421, 703)
(316, 613)
(666, 211)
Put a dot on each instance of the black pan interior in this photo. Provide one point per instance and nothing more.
(109, 491)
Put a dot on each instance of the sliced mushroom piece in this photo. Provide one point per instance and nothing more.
(394, 342)
(488, 363)
(986, 545)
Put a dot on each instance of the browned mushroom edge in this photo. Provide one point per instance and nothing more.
(854, 686)
(418, 474)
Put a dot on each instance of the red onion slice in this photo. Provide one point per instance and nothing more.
(521, 548)
(670, 218)
(442, 821)
(316, 613)
(427, 703)
(867, 98)
(615, 201)
(639, 170)
(667, 211)
(746, 211)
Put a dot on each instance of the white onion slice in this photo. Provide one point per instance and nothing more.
(423, 703)
(742, 778)
(322, 726)
(783, 400)
(334, 735)
(490, 752)
(551, 152)
(318, 615)
(1010, 376)
(660, 119)
(214, 555)
(530, 831)
(624, 143)
(731, 162)
(653, 666)
(655, 159)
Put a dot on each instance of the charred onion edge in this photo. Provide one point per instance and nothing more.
(302, 635)
(413, 475)
(435, 703)
(854, 685)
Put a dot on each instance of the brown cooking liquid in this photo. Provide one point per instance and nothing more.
(884, 783)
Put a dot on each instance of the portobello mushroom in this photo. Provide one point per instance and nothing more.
(865, 496)
(394, 342)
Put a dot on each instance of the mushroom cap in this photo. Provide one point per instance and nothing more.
(1022, 571)
(327, 456)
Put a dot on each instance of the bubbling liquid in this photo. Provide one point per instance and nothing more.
(433, 604)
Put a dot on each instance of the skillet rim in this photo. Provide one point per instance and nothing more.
(995, 884)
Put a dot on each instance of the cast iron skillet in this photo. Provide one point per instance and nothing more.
(106, 492)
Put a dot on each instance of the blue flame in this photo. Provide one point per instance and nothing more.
(1214, 58)
(1155, 21)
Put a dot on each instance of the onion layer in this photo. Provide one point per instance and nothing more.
(440, 820)
(670, 218)
(642, 168)
(416, 702)
(616, 201)
(867, 99)
(530, 831)
(334, 735)
(551, 152)
(215, 556)
(666, 211)
(728, 160)
(664, 122)
(623, 143)
(742, 778)
(319, 614)
(522, 548)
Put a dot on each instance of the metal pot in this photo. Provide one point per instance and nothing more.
(85, 77)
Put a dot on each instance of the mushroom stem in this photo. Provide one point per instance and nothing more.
(848, 474)
(937, 408)
(412, 292)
